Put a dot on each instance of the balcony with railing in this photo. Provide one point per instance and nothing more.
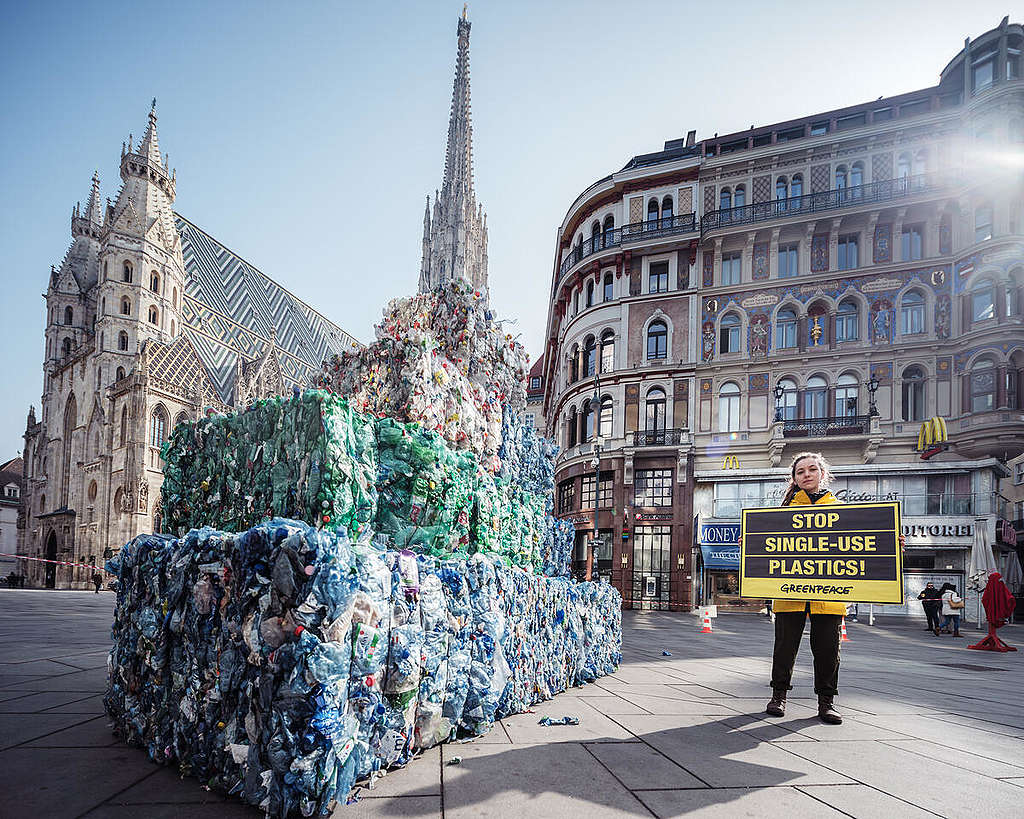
(826, 427)
(635, 232)
(659, 437)
(806, 204)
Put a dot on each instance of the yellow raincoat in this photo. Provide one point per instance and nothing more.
(801, 498)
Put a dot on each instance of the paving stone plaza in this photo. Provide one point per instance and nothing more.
(931, 729)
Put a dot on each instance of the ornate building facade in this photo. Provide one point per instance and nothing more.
(830, 283)
(455, 232)
(149, 321)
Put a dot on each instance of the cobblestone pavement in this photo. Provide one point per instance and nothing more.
(931, 729)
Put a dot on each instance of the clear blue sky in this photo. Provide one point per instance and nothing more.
(306, 135)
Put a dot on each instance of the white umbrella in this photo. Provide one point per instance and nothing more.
(982, 563)
(1014, 577)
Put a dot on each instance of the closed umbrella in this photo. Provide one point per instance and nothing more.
(1014, 576)
(982, 562)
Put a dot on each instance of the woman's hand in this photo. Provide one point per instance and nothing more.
(903, 544)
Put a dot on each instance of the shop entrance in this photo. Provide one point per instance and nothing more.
(651, 567)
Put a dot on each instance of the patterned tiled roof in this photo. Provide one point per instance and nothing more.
(178, 363)
(231, 309)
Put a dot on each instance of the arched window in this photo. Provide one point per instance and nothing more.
(69, 316)
(729, 407)
(587, 430)
(856, 180)
(608, 287)
(740, 197)
(154, 282)
(983, 305)
(725, 199)
(93, 489)
(729, 334)
(904, 165)
(126, 272)
(572, 424)
(174, 297)
(787, 407)
(815, 397)
(119, 374)
(65, 346)
(126, 306)
(158, 427)
(983, 222)
(842, 180)
(122, 341)
(605, 422)
(847, 321)
(654, 410)
(912, 313)
(595, 236)
(123, 434)
(657, 340)
(607, 351)
(652, 213)
(103, 306)
(173, 328)
(920, 166)
(983, 386)
(181, 419)
(42, 504)
(847, 391)
(589, 356)
(913, 394)
(590, 293)
(154, 315)
(781, 192)
(666, 208)
(574, 364)
(796, 188)
(609, 227)
(785, 329)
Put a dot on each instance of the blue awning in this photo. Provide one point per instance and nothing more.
(721, 556)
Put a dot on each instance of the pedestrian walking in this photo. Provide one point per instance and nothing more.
(931, 601)
(97, 581)
(952, 603)
(809, 478)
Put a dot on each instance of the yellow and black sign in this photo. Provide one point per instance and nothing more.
(845, 552)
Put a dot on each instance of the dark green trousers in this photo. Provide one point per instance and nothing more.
(789, 628)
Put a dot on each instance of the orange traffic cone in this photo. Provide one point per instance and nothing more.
(707, 623)
(842, 633)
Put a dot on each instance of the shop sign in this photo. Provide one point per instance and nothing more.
(649, 517)
(945, 531)
(580, 520)
(841, 552)
(711, 534)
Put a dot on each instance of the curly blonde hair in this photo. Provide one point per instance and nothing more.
(823, 465)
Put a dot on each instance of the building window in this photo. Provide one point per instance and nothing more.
(847, 252)
(65, 346)
(576, 302)
(815, 397)
(154, 282)
(535, 382)
(782, 191)
(589, 356)
(174, 297)
(785, 329)
(912, 243)
(158, 427)
(608, 286)
(604, 425)
(796, 189)
(740, 197)
(124, 426)
(607, 351)
(126, 272)
(903, 165)
(983, 386)
(92, 491)
(819, 128)
(666, 209)
(657, 340)
(119, 374)
(846, 396)
(725, 199)
(652, 213)
(587, 494)
(595, 236)
(788, 265)
(983, 303)
(729, 407)
(173, 328)
(983, 223)
(655, 410)
(731, 268)
(847, 321)
(587, 427)
(913, 394)
(729, 333)
(154, 315)
(983, 65)
(657, 281)
(1013, 51)
(69, 316)
(788, 404)
(856, 179)
(122, 341)
(609, 227)
(912, 313)
(652, 487)
(126, 307)
(842, 180)
(573, 425)
(567, 496)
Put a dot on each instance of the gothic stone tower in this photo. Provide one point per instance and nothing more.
(455, 236)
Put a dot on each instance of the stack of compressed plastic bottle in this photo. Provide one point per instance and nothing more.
(285, 663)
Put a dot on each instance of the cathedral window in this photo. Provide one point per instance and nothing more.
(65, 346)
(122, 341)
(126, 307)
(42, 503)
(126, 272)
(154, 315)
(174, 297)
(69, 316)
(154, 282)
(124, 425)
(158, 427)
(119, 374)
(172, 327)
(92, 491)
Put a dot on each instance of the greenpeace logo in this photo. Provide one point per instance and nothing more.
(793, 588)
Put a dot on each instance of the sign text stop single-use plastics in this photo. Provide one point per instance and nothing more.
(846, 552)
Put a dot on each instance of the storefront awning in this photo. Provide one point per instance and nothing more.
(721, 556)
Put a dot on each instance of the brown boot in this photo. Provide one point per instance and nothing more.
(828, 714)
(777, 704)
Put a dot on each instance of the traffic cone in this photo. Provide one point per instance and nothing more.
(842, 633)
(707, 623)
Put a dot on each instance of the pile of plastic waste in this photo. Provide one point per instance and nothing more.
(286, 663)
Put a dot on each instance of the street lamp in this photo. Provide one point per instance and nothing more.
(872, 385)
(779, 392)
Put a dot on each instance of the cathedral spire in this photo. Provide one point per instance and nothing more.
(455, 239)
(94, 209)
(150, 147)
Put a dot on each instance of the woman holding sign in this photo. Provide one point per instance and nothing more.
(809, 477)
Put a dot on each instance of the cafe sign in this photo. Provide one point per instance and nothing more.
(938, 531)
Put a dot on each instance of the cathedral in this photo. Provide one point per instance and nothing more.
(149, 321)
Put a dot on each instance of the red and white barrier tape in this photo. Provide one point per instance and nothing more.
(57, 562)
